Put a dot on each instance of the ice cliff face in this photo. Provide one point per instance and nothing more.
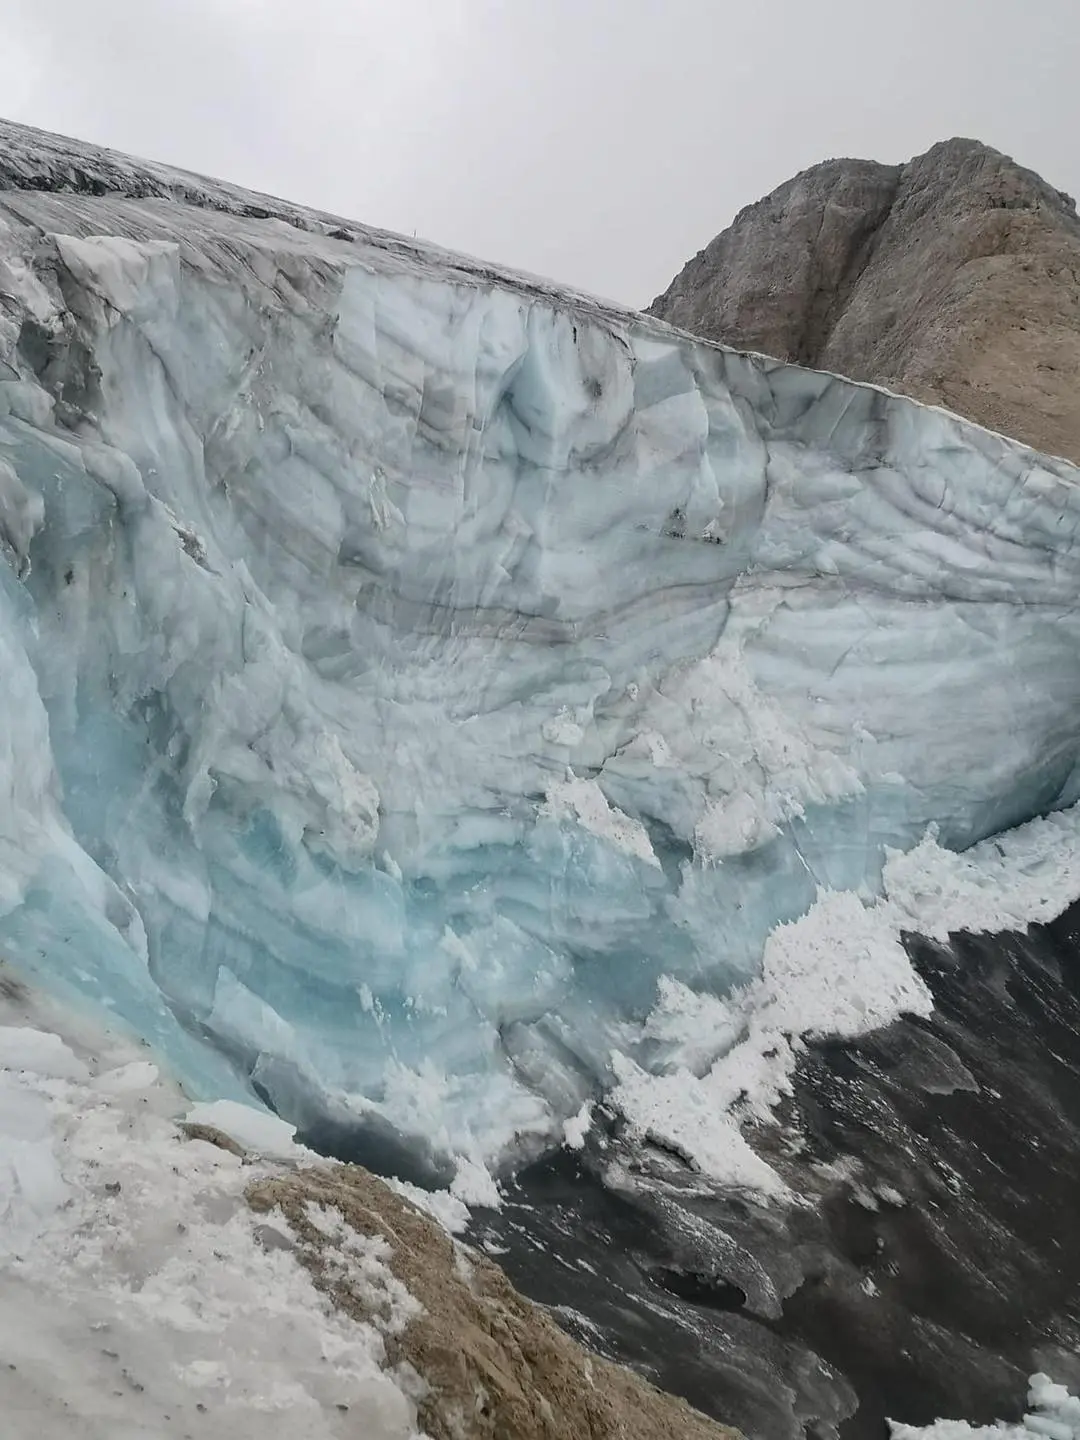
(406, 664)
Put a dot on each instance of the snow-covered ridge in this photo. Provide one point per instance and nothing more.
(409, 665)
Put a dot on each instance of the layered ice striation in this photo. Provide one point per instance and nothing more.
(406, 664)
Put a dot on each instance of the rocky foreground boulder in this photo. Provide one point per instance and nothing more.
(954, 278)
(490, 1365)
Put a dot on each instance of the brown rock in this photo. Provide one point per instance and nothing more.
(192, 1130)
(494, 1366)
(954, 278)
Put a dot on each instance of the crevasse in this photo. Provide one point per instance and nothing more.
(406, 665)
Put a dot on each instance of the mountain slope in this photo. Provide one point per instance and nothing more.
(954, 278)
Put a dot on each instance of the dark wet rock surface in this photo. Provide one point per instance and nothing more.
(932, 1261)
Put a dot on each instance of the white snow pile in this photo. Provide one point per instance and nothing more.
(1055, 1415)
(722, 1063)
(139, 1296)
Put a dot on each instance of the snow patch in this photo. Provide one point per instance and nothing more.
(474, 1184)
(1055, 1414)
(362, 1262)
(584, 801)
(139, 1295)
(840, 970)
(577, 1127)
(451, 1212)
(45, 1055)
(256, 1130)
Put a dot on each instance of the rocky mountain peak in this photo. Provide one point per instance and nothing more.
(954, 278)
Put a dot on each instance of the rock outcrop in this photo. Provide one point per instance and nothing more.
(954, 279)
(491, 1366)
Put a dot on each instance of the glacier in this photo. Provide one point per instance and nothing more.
(411, 668)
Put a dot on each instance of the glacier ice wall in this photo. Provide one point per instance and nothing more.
(406, 664)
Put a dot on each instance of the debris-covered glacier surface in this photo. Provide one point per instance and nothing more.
(407, 665)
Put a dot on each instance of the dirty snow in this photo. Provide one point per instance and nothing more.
(139, 1297)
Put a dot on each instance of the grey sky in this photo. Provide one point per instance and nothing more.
(601, 142)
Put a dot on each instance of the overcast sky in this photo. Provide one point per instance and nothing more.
(601, 142)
